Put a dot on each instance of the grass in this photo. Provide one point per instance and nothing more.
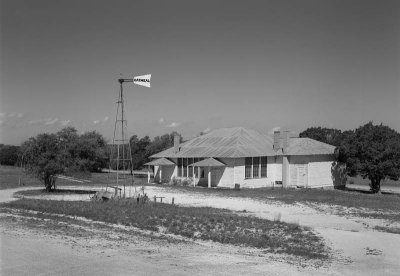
(393, 230)
(40, 192)
(13, 177)
(333, 197)
(358, 180)
(200, 223)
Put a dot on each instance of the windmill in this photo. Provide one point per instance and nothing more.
(121, 144)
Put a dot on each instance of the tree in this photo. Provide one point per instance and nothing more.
(8, 155)
(373, 151)
(92, 151)
(41, 156)
(161, 143)
(65, 152)
(326, 135)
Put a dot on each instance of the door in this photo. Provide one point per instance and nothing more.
(301, 176)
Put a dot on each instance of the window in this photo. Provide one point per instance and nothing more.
(185, 163)
(247, 169)
(264, 166)
(256, 167)
(180, 167)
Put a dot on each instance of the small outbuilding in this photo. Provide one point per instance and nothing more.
(229, 156)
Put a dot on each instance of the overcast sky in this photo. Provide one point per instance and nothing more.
(256, 64)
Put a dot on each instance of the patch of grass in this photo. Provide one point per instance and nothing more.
(14, 177)
(393, 230)
(290, 196)
(40, 192)
(358, 180)
(202, 223)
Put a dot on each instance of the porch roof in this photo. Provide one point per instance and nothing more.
(209, 162)
(161, 162)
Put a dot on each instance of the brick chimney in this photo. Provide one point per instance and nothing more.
(277, 140)
(285, 141)
(177, 139)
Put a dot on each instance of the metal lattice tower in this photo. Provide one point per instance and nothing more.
(121, 144)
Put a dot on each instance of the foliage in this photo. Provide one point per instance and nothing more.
(65, 152)
(41, 155)
(141, 149)
(161, 143)
(326, 135)
(199, 223)
(8, 155)
(372, 151)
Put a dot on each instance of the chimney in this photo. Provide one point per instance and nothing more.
(285, 143)
(277, 140)
(176, 143)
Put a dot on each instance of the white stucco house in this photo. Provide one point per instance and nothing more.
(229, 156)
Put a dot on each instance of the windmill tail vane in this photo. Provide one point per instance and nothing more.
(142, 80)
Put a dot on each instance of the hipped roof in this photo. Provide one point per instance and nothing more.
(224, 142)
(209, 162)
(241, 142)
(161, 162)
(307, 146)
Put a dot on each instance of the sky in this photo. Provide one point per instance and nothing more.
(263, 65)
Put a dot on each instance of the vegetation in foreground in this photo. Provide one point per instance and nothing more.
(201, 223)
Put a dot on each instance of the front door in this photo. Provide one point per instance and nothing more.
(301, 176)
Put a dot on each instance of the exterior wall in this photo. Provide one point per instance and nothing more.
(239, 174)
(320, 171)
(310, 170)
(315, 170)
(227, 173)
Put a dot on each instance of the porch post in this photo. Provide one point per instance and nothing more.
(160, 174)
(194, 176)
(148, 175)
(285, 171)
(209, 177)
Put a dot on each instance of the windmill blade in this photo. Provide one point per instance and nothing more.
(142, 80)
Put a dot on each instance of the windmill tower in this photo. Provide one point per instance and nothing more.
(121, 154)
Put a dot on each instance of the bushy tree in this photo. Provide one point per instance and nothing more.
(326, 135)
(161, 143)
(41, 156)
(92, 151)
(65, 152)
(373, 151)
(8, 155)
